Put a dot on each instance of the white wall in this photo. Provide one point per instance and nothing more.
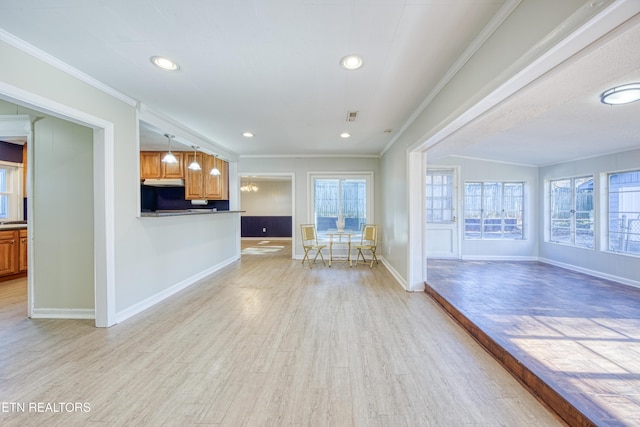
(62, 217)
(272, 199)
(623, 268)
(300, 167)
(153, 257)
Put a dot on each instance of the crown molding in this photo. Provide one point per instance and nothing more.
(64, 67)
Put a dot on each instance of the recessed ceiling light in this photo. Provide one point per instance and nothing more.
(247, 134)
(351, 62)
(164, 63)
(345, 135)
(621, 94)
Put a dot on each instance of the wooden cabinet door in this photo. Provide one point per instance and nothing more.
(212, 183)
(173, 170)
(23, 257)
(193, 180)
(7, 253)
(150, 165)
(224, 179)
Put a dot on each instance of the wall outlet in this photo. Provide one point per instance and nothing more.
(264, 229)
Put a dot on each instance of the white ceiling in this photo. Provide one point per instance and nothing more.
(272, 68)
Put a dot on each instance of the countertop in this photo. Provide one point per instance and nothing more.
(13, 225)
(183, 213)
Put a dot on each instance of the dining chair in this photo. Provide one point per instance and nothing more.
(368, 242)
(310, 243)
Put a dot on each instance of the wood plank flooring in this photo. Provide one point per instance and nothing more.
(264, 342)
(574, 338)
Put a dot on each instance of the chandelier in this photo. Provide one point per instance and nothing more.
(249, 186)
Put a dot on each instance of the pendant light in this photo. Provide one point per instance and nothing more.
(169, 157)
(215, 171)
(195, 166)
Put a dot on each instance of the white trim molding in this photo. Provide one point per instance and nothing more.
(63, 66)
(63, 313)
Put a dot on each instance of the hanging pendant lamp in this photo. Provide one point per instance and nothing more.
(195, 166)
(169, 157)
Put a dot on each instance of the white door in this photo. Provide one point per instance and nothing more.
(441, 213)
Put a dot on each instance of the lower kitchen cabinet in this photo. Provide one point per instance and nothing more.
(8, 252)
(23, 252)
(13, 253)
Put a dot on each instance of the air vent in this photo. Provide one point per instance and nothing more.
(351, 116)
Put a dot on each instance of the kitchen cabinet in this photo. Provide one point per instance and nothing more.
(173, 170)
(23, 251)
(8, 252)
(216, 187)
(201, 185)
(152, 166)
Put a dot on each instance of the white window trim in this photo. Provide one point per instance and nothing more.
(16, 208)
(604, 213)
(597, 235)
(368, 176)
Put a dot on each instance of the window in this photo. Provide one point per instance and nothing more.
(349, 196)
(439, 200)
(493, 210)
(10, 192)
(624, 212)
(571, 203)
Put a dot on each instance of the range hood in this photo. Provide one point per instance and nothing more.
(164, 182)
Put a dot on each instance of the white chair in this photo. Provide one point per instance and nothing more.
(368, 242)
(310, 243)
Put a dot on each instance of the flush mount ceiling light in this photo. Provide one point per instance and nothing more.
(345, 135)
(164, 63)
(351, 62)
(169, 157)
(247, 134)
(195, 166)
(621, 94)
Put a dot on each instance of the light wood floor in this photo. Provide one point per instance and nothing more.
(265, 341)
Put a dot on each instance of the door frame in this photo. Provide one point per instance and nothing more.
(292, 177)
(104, 181)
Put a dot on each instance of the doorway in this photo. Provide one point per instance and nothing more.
(99, 136)
(268, 205)
(441, 187)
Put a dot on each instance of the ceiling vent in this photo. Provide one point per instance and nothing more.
(351, 116)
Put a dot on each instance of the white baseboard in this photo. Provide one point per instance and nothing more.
(594, 273)
(160, 296)
(394, 273)
(498, 258)
(63, 313)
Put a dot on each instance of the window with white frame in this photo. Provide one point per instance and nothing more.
(349, 196)
(493, 210)
(10, 192)
(571, 211)
(439, 195)
(624, 212)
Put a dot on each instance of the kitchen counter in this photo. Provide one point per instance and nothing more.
(183, 213)
(13, 225)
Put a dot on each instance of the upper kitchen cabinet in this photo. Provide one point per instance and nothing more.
(200, 184)
(152, 166)
(216, 186)
(174, 170)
